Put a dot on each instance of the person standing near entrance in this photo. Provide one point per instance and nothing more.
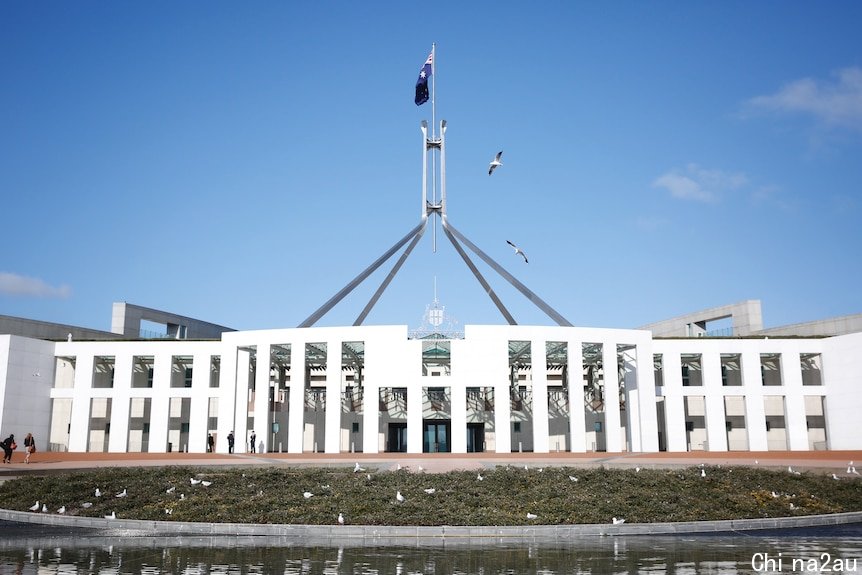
(230, 442)
(253, 441)
(29, 447)
(210, 443)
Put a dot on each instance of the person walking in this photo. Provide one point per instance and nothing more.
(230, 442)
(29, 447)
(8, 445)
(253, 441)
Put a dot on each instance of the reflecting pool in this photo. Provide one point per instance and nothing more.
(833, 550)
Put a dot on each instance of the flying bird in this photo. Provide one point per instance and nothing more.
(495, 162)
(518, 251)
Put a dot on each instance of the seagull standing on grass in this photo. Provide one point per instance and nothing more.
(62, 510)
(532, 516)
(479, 477)
(619, 521)
(44, 508)
(98, 492)
(495, 162)
(340, 519)
(430, 491)
(36, 507)
(113, 515)
(573, 479)
(121, 494)
(356, 468)
(308, 494)
(518, 251)
(400, 498)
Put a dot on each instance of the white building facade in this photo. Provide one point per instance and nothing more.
(372, 389)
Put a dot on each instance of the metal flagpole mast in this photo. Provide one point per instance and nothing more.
(434, 137)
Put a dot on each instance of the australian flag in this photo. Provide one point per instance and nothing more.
(422, 82)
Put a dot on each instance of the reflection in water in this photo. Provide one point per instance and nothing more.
(250, 555)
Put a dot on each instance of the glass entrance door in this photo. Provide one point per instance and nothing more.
(436, 436)
(475, 437)
(397, 440)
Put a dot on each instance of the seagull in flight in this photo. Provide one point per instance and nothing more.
(495, 162)
(518, 251)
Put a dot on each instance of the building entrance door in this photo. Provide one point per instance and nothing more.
(436, 436)
(397, 440)
(475, 437)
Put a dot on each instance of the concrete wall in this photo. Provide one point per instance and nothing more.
(26, 377)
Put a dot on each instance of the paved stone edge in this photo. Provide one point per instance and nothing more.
(137, 527)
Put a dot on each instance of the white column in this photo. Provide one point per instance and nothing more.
(716, 431)
(79, 427)
(458, 403)
(646, 393)
(119, 438)
(674, 402)
(755, 413)
(200, 403)
(370, 414)
(414, 418)
(262, 427)
(332, 418)
(577, 420)
(160, 405)
(794, 402)
(502, 417)
(633, 410)
(240, 431)
(226, 396)
(613, 439)
(540, 397)
(296, 401)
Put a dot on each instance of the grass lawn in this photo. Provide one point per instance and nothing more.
(504, 496)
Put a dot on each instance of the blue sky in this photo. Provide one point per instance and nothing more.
(242, 162)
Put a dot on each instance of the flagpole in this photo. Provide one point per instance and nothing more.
(434, 137)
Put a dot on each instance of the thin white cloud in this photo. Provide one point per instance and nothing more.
(699, 184)
(18, 285)
(836, 103)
